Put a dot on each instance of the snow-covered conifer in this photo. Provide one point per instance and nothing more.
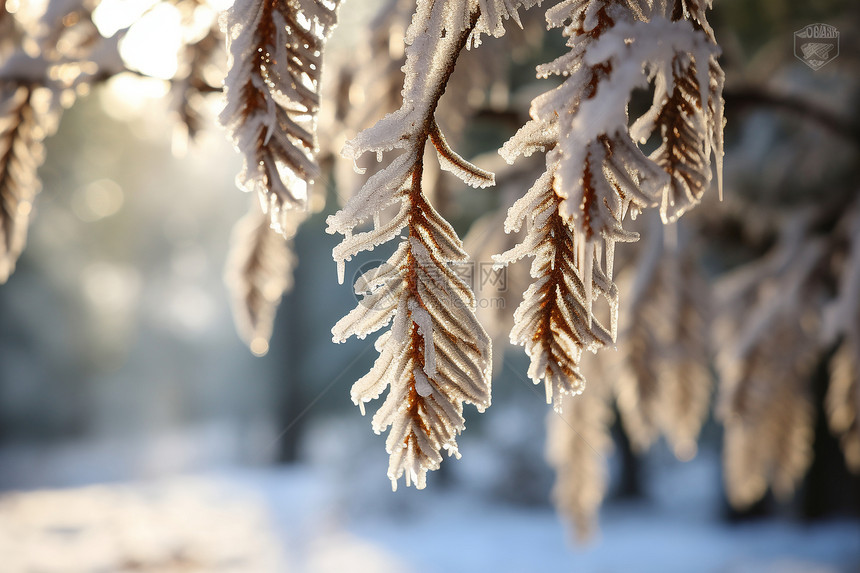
(779, 315)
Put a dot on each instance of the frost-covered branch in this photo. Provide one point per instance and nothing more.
(259, 271)
(272, 87)
(842, 319)
(193, 81)
(553, 322)
(436, 355)
(64, 53)
(22, 130)
(578, 442)
(687, 114)
(596, 172)
(765, 368)
(666, 384)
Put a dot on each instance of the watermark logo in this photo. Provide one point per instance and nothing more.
(816, 45)
(492, 276)
(465, 271)
(373, 281)
(370, 279)
(488, 282)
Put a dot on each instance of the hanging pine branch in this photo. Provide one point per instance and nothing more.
(272, 87)
(436, 356)
(272, 90)
(842, 319)
(764, 372)
(843, 400)
(665, 387)
(687, 114)
(65, 54)
(21, 153)
(578, 442)
(553, 322)
(595, 175)
(194, 80)
(259, 271)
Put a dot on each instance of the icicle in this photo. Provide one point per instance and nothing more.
(359, 170)
(422, 384)
(586, 272)
(613, 318)
(610, 257)
(718, 141)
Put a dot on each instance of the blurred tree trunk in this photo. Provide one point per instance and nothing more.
(630, 481)
(830, 489)
(288, 347)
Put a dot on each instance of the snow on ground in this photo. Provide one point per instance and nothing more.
(449, 532)
(294, 511)
(335, 512)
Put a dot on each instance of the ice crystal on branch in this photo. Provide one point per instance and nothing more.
(272, 92)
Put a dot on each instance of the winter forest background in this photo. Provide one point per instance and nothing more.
(138, 433)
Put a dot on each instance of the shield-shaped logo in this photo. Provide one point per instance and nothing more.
(816, 45)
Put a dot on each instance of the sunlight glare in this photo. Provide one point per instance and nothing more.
(153, 42)
(97, 200)
(110, 16)
(128, 96)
